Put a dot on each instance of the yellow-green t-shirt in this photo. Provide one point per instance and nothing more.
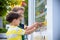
(15, 33)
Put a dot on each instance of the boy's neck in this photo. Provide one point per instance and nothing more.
(12, 24)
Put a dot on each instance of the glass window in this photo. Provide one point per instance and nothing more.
(40, 10)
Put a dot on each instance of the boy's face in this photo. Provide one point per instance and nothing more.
(21, 12)
(17, 21)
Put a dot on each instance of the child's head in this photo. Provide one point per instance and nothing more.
(18, 9)
(13, 18)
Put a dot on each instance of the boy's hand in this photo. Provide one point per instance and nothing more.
(40, 24)
(25, 27)
(36, 24)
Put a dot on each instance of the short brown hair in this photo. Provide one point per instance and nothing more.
(15, 9)
(11, 16)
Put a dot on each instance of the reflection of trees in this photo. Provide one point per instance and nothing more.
(40, 10)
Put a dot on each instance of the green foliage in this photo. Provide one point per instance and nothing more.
(4, 22)
(26, 13)
(3, 7)
(3, 30)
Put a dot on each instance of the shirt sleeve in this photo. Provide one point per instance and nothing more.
(21, 31)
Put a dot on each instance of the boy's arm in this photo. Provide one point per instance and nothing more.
(36, 24)
(30, 31)
(32, 28)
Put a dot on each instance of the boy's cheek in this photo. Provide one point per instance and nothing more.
(17, 22)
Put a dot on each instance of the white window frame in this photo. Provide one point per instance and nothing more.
(31, 17)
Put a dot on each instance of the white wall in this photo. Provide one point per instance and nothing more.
(56, 20)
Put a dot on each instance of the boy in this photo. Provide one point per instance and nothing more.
(20, 11)
(14, 32)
